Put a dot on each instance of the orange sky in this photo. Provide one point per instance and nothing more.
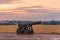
(29, 9)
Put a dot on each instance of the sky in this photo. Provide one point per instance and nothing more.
(30, 10)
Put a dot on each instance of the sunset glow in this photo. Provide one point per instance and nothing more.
(30, 9)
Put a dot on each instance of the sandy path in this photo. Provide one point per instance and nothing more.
(11, 36)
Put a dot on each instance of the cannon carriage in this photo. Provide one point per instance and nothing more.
(26, 28)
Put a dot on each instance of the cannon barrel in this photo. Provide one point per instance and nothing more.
(34, 23)
(29, 23)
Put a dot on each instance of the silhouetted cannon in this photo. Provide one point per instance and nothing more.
(26, 28)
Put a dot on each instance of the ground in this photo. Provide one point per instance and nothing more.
(13, 36)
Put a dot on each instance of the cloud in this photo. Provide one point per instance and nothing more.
(39, 13)
(5, 1)
(24, 13)
(32, 10)
(29, 10)
(35, 13)
(9, 1)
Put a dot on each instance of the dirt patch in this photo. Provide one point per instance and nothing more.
(13, 36)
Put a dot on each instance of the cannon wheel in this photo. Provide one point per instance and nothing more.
(29, 29)
(17, 31)
(25, 30)
(20, 31)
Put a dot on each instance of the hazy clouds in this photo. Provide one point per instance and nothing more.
(30, 13)
(29, 10)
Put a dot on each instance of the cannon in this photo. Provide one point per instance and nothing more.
(26, 28)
